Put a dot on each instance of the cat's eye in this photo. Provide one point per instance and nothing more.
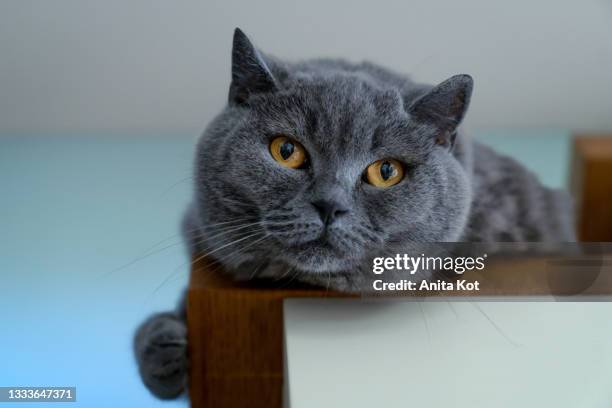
(384, 173)
(288, 153)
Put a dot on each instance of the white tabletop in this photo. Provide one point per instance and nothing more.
(349, 353)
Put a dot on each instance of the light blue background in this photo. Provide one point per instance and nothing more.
(77, 214)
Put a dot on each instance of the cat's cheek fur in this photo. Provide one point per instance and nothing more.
(452, 194)
(456, 202)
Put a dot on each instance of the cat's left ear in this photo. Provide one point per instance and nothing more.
(444, 106)
(250, 73)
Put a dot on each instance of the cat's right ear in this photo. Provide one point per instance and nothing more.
(444, 106)
(250, 73)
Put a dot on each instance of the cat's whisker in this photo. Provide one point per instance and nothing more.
(287, 272)
(450, 305)
(221, 228)
(140, 258)
(418, 301)
(495, 326)
(191, 230)
(204, 237)
(153, 251)
(166, 280)
(233, 253)
(152, 247)
(272, 223)
(206, 254)
(213, 245)
(174, 236)
(295, 275)
(225, 230)
(178, 269)
(216, 261)
(232, 221)
(256, 270)
(175, 184)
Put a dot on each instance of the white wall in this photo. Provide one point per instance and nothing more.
(164, 65)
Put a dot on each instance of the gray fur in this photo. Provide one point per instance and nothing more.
(160, 346)
(257, 218)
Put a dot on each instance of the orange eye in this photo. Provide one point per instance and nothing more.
(385, 173)
(288, 153)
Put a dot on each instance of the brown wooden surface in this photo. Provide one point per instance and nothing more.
(591, 185)
(236, 340)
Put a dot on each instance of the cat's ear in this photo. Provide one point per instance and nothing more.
(444, 106)
(250, 73)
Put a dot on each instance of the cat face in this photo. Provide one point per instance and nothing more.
(321, 168)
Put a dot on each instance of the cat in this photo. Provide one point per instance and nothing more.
(314, 167)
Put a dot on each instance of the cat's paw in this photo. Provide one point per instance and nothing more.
(161, 351)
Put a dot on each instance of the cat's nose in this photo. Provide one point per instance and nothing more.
(329, 211)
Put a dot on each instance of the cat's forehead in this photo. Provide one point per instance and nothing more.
(346, 112)
(356, 90)
(334, 101)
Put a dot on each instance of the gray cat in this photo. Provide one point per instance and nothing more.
(315, 167)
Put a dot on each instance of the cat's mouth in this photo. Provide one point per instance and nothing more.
(321, 243)
(324, 241)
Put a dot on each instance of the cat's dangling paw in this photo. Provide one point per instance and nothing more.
(160, 346)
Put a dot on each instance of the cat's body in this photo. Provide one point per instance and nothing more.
(510, 205)
(324, 221)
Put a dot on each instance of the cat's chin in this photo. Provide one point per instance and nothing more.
(318, 257)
